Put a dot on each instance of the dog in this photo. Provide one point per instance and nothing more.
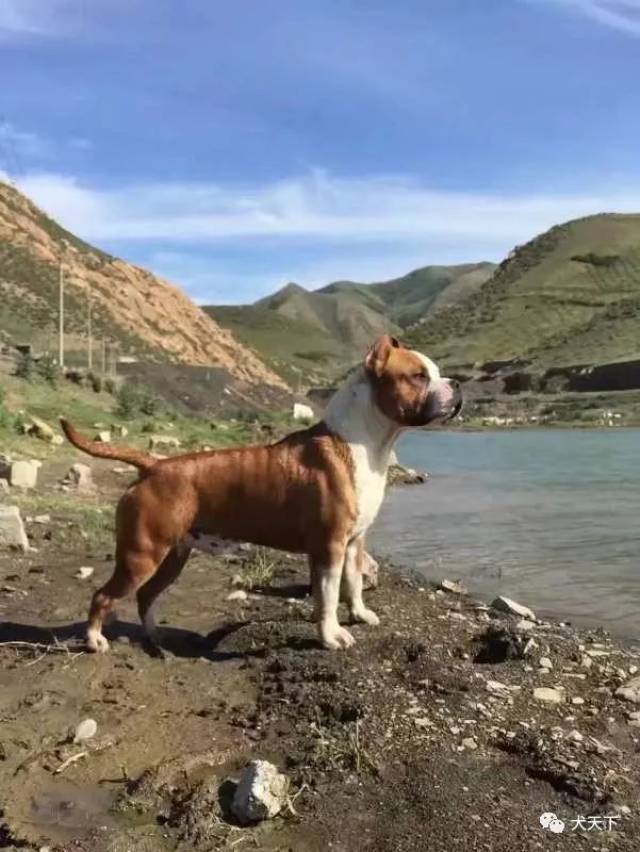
(316, 492)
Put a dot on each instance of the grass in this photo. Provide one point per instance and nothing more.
(95, 521)
(258, 569)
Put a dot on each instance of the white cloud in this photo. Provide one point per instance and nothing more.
(32, 17)
(16, 144)
(623, 15)
(314, 207)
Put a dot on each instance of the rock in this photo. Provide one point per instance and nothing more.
(496, 687)
(163, 442)
(302, 412)
(453, 586)
(81, 478)
(39, 429)
(261, 792)
(577, 700)
(103, 436)
(4, 486)
(84, 572)
(633, 670)
(42, 519)
(630, 691)
(504, 604)
(12, 532)
(119, 430)
(237, 595)
(525, 626)
(399, 475)
(24, 474)
(85, 730)
(545, 663)
(57, 440)
(548, 694)
(470, 743)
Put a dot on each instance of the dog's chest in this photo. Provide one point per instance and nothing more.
(370, 479)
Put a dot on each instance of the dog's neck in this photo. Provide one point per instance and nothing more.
(354, 417)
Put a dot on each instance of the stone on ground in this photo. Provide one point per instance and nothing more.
(39, 429)
(630, 691)
(504, 604)
(103, 436)
(12, 532)
(548, 694)
(24, 474)
(261, 792)
(157, 442)
(80, 477)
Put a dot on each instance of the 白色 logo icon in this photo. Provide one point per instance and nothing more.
(551, 822)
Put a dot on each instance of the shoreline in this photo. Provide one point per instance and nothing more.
(429, 718)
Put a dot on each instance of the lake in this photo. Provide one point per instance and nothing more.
(548, 517)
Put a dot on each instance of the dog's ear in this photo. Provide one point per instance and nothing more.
(378, 355)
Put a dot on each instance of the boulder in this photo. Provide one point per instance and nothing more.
(103, 436)
(24, 474)
(12, 532)
(504, 604)
(80, 477)
(119, 430)
(302, 411)
(40, 429)
(261, 792)
(630, 691)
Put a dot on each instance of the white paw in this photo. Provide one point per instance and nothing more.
(96, 642)
(335, 637)
(366, 616)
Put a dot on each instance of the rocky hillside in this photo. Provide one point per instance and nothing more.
(147, 317)
(310, 337)
(571, 296)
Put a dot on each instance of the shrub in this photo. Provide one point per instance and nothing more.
(597, 259)
(47, 369)
(126, 401)
(95, 381)
(26, 367)
(110, 386)
(5, 417)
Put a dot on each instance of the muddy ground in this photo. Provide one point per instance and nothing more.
(425, 736)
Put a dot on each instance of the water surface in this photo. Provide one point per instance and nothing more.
(549, 517)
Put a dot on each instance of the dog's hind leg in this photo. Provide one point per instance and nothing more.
(166, 574)
(352, 582)
(133, 569)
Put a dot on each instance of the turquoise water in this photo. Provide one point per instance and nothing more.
(549, 517)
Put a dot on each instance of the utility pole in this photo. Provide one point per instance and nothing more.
(89, 333)
(61, 318)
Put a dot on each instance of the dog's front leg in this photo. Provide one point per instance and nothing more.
(353, 577)
(326, 574)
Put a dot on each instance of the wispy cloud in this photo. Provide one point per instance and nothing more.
(314, 206)
(623, 15)
(16, 143)
(33, 17)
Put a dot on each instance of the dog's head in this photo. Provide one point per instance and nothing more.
(407, 386)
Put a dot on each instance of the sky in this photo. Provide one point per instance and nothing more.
(233, 147)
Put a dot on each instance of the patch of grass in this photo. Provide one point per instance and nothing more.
(94, 521)
(259, 568)
(341, 749)
(597, 259)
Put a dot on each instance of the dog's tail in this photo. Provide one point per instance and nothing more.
(107, 451)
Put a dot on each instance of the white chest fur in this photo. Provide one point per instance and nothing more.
(370, 479)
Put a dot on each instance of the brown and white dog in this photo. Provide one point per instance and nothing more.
(316, 492)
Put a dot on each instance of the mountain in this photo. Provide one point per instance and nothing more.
(312, 336)
(570, 296)
(148, 318)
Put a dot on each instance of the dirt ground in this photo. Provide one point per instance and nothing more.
(425, 736)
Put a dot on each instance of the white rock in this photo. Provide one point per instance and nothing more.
(633, 670)
(24, 474)
(81, 477)
(103, 436)
(453, 586)
(545, 663)
(261, 792)
(496, 687)
(42, 519)
(630, 691)
(85, 730)
(575, 736)
(548, 694)
(505, 604)
(237, 595)
(302, 412)
(577, 700)
(525, 626)
(470, 743)
(4, 486)
(159, 442)
(84, 572)
(12, 532)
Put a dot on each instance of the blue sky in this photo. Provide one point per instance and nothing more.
(233, 147)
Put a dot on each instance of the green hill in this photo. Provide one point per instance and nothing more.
(569, 296)
(310, 337)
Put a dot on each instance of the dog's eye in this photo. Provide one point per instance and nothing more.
(420, 377)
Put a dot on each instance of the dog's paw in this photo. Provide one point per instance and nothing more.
(96, 642)
(365, 616)
(335, 637)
